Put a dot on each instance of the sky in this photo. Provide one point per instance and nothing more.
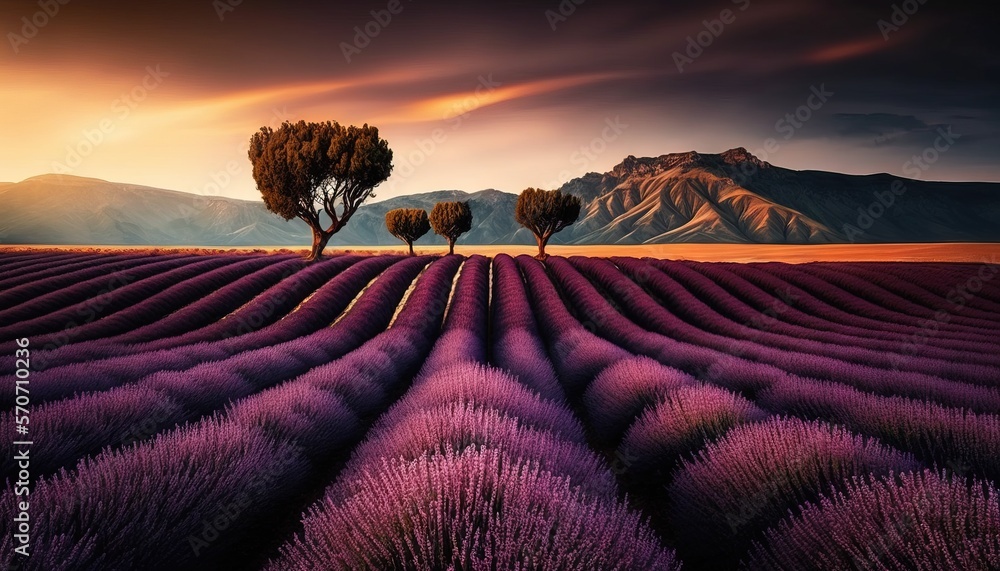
(473, 95)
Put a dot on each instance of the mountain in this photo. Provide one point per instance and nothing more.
(492, 219)
(62, 209)
(736, 197)
(731, 197)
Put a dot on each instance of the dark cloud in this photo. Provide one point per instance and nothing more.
(881, 129)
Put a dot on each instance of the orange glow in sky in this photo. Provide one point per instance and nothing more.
(470, 97)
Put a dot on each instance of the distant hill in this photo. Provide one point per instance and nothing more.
(492, 219)
(62, 209)
(731, 197)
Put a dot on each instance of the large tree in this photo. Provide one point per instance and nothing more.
(407, 224)
(546, 212)
(451, 220)
(305, 169)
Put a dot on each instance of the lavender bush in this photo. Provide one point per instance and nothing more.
(921, 520)
(681, 423)
(471, 510)
(621, 392)
(736, 488)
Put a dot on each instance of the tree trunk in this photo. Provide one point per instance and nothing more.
(451, 246)
(410, 244)
(542, 241)
(320, 238)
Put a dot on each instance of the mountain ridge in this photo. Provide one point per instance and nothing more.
(729, 197)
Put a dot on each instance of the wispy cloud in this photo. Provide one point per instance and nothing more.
(846, 50)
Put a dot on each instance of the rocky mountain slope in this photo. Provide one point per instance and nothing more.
(736, 197)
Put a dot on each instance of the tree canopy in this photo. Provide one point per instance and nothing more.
(451, 220)
(305, 169)
(407, 224)
(546, 212)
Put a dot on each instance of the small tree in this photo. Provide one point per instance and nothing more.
(303, 169)
(451, 220)
(407, 224)
(546, 212)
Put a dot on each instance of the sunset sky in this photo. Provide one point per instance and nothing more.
(474, 95)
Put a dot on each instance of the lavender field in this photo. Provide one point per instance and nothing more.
(387, 412)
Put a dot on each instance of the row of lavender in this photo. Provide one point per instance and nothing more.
(629, 357)
(161, 308)
(88, 351)
(799, 313)
(584, 505)
(648, 327)
(911, 297)
(274, 315)
(474, 468)
(720, 473)
(223, 479)
(847, 307)
(142, 395)
(899, 409)
(81, 315)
